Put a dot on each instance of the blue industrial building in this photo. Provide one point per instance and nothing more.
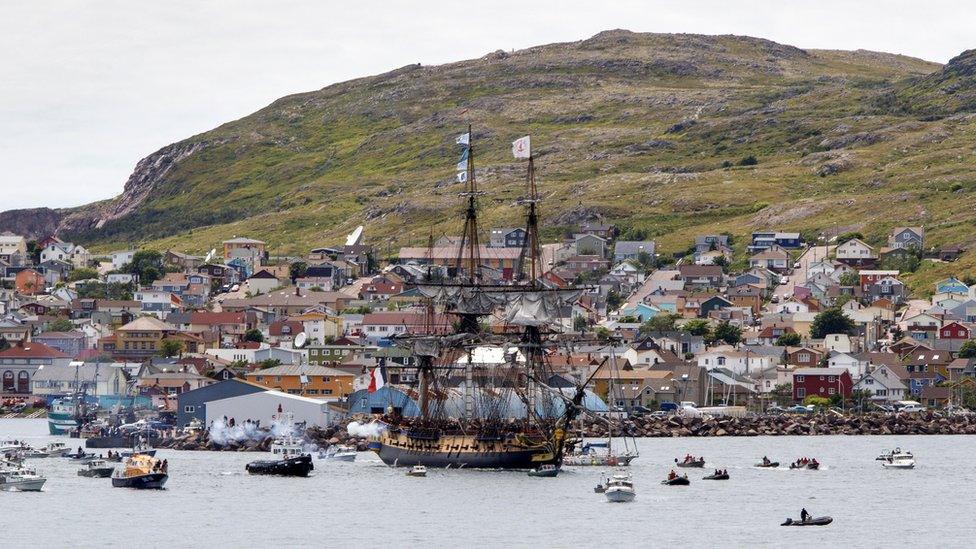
(193, 404)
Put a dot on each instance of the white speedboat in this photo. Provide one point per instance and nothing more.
(339, 453)
(620, 488)
(901, 460)
(417, 471)
(22, 479)
(57, 449)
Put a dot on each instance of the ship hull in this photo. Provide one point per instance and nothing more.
(152, 481)
(459, 452)
(61, 424)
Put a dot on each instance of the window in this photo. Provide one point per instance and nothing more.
(258, 378)
(832, 391)
(799, 379)
(189, 409)
(832, 379)
(326, 391)
(801, 392)
(312, 391)
(821, 378)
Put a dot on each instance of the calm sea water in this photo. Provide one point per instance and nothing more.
(210, 501)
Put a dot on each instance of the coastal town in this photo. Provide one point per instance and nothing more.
(778, 324)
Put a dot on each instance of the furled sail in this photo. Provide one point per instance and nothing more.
(538, 308)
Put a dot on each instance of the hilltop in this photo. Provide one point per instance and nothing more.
(653, 132)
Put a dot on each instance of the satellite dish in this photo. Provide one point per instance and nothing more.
(300, 340)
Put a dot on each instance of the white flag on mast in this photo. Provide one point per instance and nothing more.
(521, 148)
(462, 177)
(463, 139)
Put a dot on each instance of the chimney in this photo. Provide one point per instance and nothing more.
(298, 292)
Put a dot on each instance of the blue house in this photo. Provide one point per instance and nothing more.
(763, 240)
(951, 285)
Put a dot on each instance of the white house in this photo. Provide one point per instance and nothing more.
(855, 250)
(158, 303)
(121, 258)
(236, 355)
(883, 385)
(67, 252)
(738, 361)
(791, 306)
(262, 282)
(847, 360)
(842, 343)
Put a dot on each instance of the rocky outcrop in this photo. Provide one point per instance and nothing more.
(32, 224)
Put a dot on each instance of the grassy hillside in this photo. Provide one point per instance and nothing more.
(643, 130)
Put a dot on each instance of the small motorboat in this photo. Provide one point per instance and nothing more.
(339, 453)
(80, 456)
(676, 481)
(768, 465)
(417, 471)
(699, 463)
(818, 521)
(139, 448)
(142, 472)
(22, 479)
(600, 488)
(57, 449)
(620, 489)
(547, 470)
(901, 460)
(34, 453)
(298, 466)
(812, 465)
(885, 456)
(96, 468)
(717, 476)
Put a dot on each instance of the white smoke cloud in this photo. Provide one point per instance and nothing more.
(221, 433)
(360, 430)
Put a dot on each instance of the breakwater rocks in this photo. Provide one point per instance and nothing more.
(788, 425)
(315, 437)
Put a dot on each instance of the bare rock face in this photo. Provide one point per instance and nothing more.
(33, 224)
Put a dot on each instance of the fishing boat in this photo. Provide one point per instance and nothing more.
(294, 466)
(677, 481)
(139, 471)
(68, 414)
(20, 479)
(900, 460)
(339, 453)
(691, 461)
(546, 470)
(818, 521)
(507, 417)
(620, 489)
(96, 468)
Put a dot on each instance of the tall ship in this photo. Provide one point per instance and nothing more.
(506, 416)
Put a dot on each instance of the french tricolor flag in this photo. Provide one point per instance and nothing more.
(375, 380)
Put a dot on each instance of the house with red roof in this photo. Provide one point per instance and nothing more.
(19, 363)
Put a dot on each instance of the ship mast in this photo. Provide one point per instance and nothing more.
(469, 238)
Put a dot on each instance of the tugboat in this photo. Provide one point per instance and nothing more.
(298, 466)
(96, 468)
(139, 471)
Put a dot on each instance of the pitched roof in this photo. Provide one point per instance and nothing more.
(243, 240)
(211, 318)
(298, 369)
(147, 324)
(819, 371)
(33, 350)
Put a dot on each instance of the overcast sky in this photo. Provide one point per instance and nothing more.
(89, 87)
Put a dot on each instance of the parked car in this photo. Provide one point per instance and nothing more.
(775, 409)
(912, 408)
(659, 413)
(798, 409)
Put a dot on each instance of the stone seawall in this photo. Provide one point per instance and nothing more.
(672, 426)
(789, 425)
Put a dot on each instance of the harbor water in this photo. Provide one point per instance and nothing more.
(210, 502)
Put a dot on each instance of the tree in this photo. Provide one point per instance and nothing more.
(659, 323)
(698, 327)
(968, 349)
(722, 262)
(728, 333)
(254, 335)
(850, 279)
(782, 393)
(4, 344)
(579, 323)
(297, 270)
(614, 300)
(836, 399)
(269, 363)
(645, 260)
(858, 396)
(603, 334)
(60, 325)
(34, 252)
(831, 321)
(82, 274)
(842, 300)
(170, 348)
(147, 265)
(789, 339)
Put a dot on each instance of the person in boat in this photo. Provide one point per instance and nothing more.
(814, 462)
(672, 475)
(804, 515)
(165, 465)
(765, 460)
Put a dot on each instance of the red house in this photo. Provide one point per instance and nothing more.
(954, 330)
(821, 382)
